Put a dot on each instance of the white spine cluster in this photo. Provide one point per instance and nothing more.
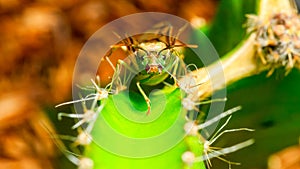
(87, 118)
(192, 129)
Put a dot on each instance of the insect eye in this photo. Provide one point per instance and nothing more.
(140, 53)
(162, 59)
(162, 54)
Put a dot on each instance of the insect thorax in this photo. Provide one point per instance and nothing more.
(153, 56)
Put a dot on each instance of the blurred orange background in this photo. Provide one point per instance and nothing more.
(40, 41)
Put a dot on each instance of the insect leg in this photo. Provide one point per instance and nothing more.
(170, 39)
(173, 41)
(145, 97)
(211, 101)
(175, 66)
(121, 62)
(116, 72)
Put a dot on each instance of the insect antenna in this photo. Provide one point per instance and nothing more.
(171, 43)
(116, 80)
(179, 32)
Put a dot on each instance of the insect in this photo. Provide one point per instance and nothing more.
(152, 58)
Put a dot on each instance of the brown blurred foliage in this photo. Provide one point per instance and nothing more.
(24, 142)
(41, 39)
(39, 43)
